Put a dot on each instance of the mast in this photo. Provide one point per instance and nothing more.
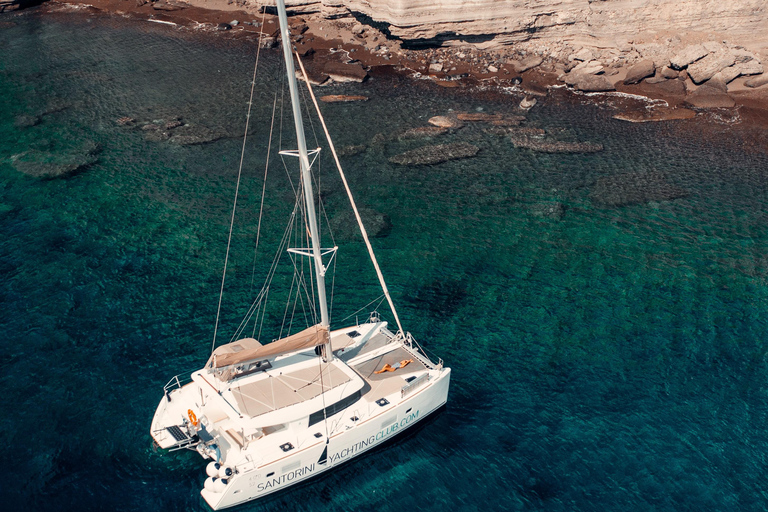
(305, 173)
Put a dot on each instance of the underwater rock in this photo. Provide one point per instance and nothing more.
(477, 117)
(342, 98)
(174, 123)
(635, 188)
(351, 150)
(428, 155)
(189, 135)
(26, 121)
(548, 209)
(496, 119)
(422, 132)
(515, 130)
(344, 226)
(528, 103)
(656, 114)
(123, 121)
(553, 146)
(445, 122)
(52, 165)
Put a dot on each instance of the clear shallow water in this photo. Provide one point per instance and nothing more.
(604, 357)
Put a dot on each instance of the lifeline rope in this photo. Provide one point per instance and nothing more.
(237, 190)
(351, 200)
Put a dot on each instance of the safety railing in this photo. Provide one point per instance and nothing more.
(415, 383)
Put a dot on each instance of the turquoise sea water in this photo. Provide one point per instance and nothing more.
(607, 354)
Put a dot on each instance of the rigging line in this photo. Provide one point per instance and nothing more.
(352, 201)
(234, 206)
(263, 315)
(270, 275)
(333, 288)
(263, 194)
(303, 285)
(380, 298)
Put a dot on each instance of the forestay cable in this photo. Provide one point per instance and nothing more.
(351, 200)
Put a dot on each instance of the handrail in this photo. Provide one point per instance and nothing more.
(178, 382)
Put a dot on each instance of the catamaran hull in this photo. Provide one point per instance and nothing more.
(342, 447)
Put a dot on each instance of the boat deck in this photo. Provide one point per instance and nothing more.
(386, 383)
(277, 391)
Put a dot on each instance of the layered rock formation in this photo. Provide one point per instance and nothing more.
(493, 23)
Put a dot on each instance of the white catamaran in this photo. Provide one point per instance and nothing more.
(270, 416)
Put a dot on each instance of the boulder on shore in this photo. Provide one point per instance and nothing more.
(688, 55)
(642, 69)
(758, 81)
(711, 94)
(429, 155)
(345, 72)
(704, 69)
(589, 83)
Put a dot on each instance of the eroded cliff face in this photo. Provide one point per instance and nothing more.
(494, 23)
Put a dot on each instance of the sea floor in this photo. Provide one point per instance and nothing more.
(603, 313)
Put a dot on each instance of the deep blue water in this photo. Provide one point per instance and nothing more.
(606, 355)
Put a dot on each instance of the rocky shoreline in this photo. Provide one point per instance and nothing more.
(680, 76)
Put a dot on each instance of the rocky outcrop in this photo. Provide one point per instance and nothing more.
(543, 145)
(52, 163)
(429, 155)
(496, 23)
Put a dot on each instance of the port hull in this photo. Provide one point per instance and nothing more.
(307, 463)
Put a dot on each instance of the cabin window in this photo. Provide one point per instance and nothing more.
(317, 417)
(353, 334)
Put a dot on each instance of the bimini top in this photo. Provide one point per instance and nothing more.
(248, 349)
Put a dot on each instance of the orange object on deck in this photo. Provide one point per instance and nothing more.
(389, 368)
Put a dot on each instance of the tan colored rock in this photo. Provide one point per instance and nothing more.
(752, 67)
(758, 81)
(704, 69)
(339, 72)
(342, 98)
(642, 69)
(727, 75)
(669, 73)
(592, 67)
(688, 55)
(592, 83)
(527, 63)
(710, 95)
(445, 122)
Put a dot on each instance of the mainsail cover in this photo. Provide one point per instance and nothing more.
(249, 349)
